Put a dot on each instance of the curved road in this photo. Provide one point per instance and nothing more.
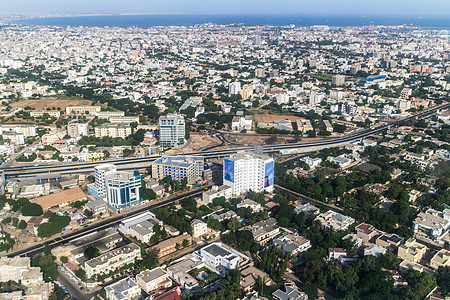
(88, 166)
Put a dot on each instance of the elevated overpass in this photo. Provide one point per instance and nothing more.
(142, 162)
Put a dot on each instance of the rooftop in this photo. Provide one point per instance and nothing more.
(66, 196)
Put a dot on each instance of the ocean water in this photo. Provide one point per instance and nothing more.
(438, 22)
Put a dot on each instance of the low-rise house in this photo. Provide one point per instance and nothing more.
(389, 241)
(432, 223)
(221, 258)
(341, 160)
(374, 250)
(312, 162)
(124, 289)
(180, 269)
(265, 230)
(406, 265)
(337, 221)
(440, 259)
(289, 292)
(307, 209)
(143, 231)
(170, 245)
(224, 216)
(293, 244)
(412, 250)
(248, 203)
(250, 277)
(96, 206)
(365, 231)
(150, 280)
(217, 192)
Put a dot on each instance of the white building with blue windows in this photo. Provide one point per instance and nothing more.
(180, 168)
(118, 189)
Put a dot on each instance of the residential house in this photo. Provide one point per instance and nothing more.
(124, 289)
(248, 203)
(412, 250)
(440, 259)
(150, 280)
(265, 230)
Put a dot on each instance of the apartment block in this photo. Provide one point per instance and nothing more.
(83, 110)
(217, 192)
(180, 168)
(113, 130)
(112, 260)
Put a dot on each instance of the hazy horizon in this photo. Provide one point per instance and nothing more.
(280, 7)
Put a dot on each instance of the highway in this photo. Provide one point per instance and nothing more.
(80, 167)
(36, 249)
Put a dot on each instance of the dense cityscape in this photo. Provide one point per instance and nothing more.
(224, 161)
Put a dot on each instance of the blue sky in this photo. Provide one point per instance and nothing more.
(293, 7)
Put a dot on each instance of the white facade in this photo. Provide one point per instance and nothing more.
(150, 280)
(246, 171)
(123, 289)
(123, 189)
(219, 258)
(172, 131)
(100, 177)
(316, 98)
(77, 129)
(234, 88)
(25, 129)
(113, 130)
(199, 228)
(217, 192)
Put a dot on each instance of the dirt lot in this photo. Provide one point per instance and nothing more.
(267, 118)
(49, 103)
(195, 143)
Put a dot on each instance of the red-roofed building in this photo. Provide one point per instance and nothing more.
(172, 294)
(270, 205)
(365, 231)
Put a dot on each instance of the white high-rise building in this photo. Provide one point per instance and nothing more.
(234, 88)
(172, 131)
(246, 171)
(100, 177)
(77, 129)
(338, 80)
(118, 189)
(123, 189)
(316, 98)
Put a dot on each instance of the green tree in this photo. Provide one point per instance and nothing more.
(233, 224)
(22, 224)
(32, 209)
(91, 252)
(64, 259)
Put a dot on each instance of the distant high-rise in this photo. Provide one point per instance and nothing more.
(234, 88)
(247, 171)
(316, 98)
(338, 80)
(260, 73)
(257, 41)
(172, 131)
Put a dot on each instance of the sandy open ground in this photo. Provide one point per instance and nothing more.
(49, 103)
(267, 118)
(195, 143)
